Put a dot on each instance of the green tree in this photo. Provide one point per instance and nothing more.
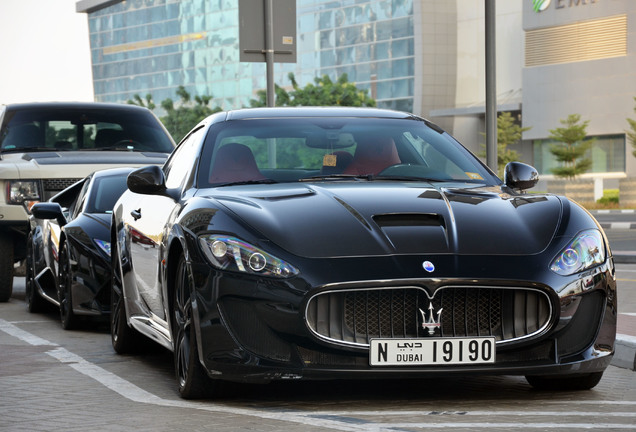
(631, 134)
(509, 132)
(181, 119)
(571, 147)
(148, 103)
(323, 92)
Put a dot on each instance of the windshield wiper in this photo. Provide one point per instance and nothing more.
(406, 178)
(368, 177)
(26, 149)
(336, 177)
(112, 148)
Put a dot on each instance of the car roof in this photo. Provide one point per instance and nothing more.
(273, 112)
(71, 105)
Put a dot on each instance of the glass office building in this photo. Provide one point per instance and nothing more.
(421, 56)
(153, 46)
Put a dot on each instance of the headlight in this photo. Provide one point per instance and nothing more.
(585, 251)
(230, 253)
(23, 191)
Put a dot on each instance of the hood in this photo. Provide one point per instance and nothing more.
(375, 219)
(73, 163)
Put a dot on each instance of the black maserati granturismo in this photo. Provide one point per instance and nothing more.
(357, 243)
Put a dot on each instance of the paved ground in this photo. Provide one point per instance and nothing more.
(621, 231)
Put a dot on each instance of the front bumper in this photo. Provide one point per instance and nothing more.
(255, 330)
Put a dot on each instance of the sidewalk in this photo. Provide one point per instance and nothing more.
(625, 355)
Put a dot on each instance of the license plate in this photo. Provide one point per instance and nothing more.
(434, 351)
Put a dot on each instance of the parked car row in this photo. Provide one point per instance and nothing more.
(330, 243)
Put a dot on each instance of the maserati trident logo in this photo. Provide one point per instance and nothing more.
(430, 322)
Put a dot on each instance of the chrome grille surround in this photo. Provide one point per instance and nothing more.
(355, 316)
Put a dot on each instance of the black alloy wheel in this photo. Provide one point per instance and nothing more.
(124, 338)
(192, 380)
(34, 302)
(64, 295)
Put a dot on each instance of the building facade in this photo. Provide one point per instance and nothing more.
(401, 51)
(580, 58)
(554, 58)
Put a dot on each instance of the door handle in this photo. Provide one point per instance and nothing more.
(136, 214)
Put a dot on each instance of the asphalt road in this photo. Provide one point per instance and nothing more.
(51, 380)
(620, 228)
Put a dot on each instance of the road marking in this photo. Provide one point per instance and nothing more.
(530, 425)
(328, 419)
(23, 335)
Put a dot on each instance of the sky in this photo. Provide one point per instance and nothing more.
(44, 52)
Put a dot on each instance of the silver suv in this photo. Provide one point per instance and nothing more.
(45, 147)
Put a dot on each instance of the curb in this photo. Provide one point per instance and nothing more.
(625, 352)
(618, 225)
(624, 257)
(625, 211)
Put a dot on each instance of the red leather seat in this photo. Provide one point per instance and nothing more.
(373, 157)
(234, 163)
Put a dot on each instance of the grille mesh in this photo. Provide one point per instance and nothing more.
(53, 186)
(355, 317)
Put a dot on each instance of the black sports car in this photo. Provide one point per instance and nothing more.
(323, 243)
(68, 259)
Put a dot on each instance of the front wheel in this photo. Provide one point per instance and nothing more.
(191, 377)
(34, 302)
(67, 316)
(6, 266)
(566, 382)
(124, 338)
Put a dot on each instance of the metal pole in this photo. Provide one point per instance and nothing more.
(269, 50)
(491, 88)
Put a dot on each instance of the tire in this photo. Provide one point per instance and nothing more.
(34, 302)
(64, 293)
(6, 266)
(566, 382)
(192, 380)
(125, 340)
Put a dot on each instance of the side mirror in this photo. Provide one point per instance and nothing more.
(520, 176)
(148, 180)
(49, 210)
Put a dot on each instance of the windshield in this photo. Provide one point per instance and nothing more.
(80, 129)
(335, 149)
(105, 192)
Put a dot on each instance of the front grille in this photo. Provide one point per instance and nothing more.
(355, 317)
(53, 186)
